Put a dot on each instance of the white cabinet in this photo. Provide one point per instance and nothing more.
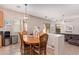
(56, 42)
(50, 40)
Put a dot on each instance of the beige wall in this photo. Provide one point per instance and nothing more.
(33, 21)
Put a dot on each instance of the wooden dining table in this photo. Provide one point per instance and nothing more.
(31, 40)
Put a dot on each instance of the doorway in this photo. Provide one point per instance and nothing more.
(47, 26)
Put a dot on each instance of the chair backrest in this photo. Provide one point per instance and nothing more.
(24, 32)
(43, 40)
(21, 38)
(20, 34)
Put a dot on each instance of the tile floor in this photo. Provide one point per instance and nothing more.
(14, 50)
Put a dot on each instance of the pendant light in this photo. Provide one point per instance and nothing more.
(25, 19)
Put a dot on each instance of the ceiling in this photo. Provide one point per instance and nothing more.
(49, 11)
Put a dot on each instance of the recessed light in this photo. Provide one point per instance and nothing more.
(46, 17)
(25, 4)
(18, 6)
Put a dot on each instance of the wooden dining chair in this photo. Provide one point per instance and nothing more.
(21, 43)
(41, 47)
(23, 46)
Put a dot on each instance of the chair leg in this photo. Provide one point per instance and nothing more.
(40, 52)
(22, 52)
(45, 52)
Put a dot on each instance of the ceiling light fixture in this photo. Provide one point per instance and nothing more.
(45, 16)
(26, 17)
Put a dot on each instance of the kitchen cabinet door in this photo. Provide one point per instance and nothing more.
(1, 19)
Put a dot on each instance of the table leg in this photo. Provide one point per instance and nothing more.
(30, 49)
